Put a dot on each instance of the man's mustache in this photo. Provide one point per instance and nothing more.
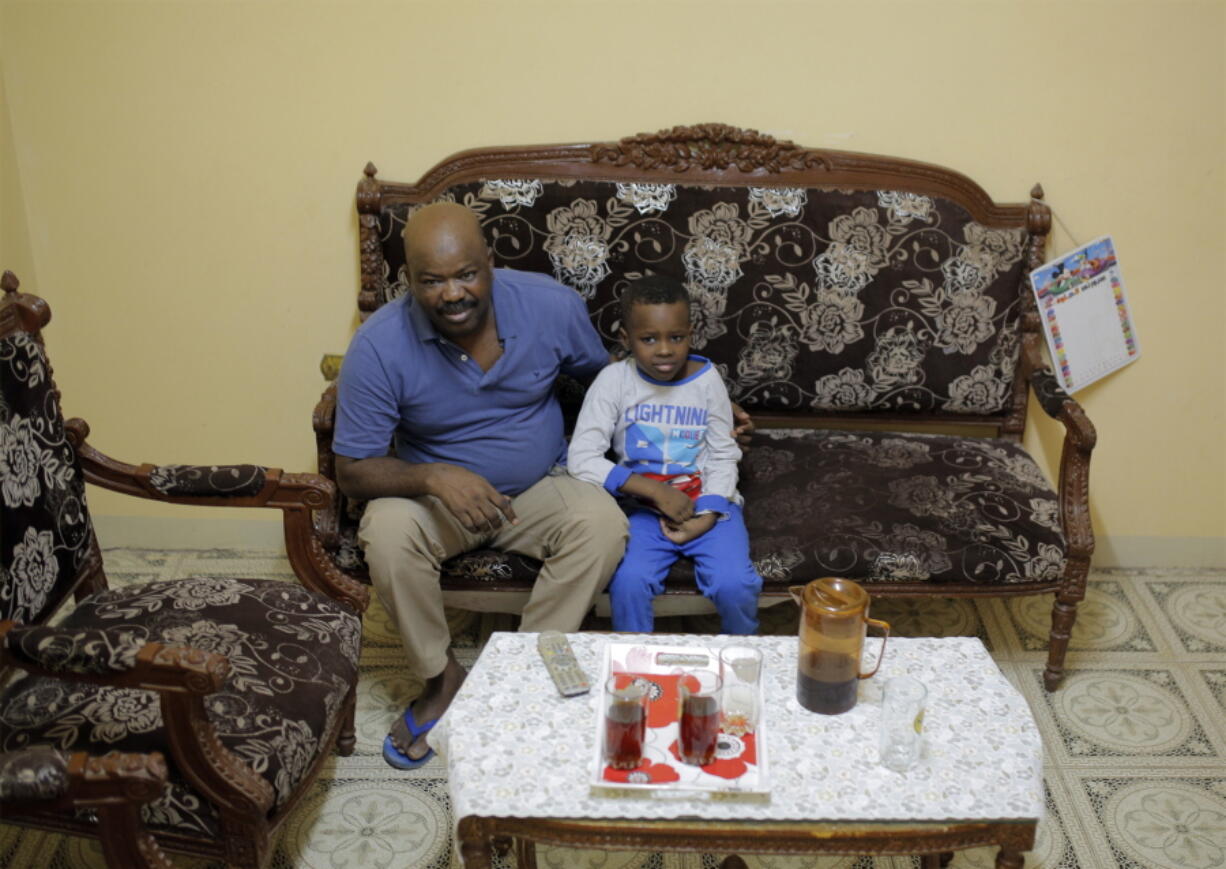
(457, 307)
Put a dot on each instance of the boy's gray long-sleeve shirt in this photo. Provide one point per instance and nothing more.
(679, 427)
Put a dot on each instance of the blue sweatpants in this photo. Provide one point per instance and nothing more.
(721, 565)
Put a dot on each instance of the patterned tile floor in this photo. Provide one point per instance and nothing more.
(1135, 738)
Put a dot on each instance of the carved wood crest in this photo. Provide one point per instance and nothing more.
(708, 146)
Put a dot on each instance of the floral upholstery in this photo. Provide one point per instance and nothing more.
(887, 507)
(874, 506)
(1048, 391)
(809, 300)
(293, 655)
(869, 300)
(218, 481)
(286, 698)
(86, 652)
(44, 530)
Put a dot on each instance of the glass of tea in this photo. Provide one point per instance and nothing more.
(740, 667)
(699, 720)
(625, 721)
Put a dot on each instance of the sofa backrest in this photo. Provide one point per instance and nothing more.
(822, 283)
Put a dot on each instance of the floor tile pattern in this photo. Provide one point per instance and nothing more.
(1135, 739)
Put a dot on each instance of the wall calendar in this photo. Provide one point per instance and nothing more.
(1085, 314)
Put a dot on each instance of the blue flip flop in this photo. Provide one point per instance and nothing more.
(395, 757)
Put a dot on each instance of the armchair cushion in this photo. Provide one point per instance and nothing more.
(889, 507)
(293, 657)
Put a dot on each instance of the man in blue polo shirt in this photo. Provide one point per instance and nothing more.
(458, 374)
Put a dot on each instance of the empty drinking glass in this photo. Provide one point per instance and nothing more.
(902, 722)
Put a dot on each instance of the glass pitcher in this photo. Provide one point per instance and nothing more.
(833, 622)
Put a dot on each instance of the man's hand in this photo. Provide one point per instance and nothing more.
(743, 427)
(673, 503)
(684, 532)
(470, 497)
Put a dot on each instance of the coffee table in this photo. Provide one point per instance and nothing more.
(519, 763)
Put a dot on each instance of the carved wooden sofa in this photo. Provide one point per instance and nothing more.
(849, 300)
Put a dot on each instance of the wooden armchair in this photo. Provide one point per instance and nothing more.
(191, 714)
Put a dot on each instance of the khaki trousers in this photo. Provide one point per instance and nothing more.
(575, 528)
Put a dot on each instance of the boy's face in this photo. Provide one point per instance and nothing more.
(658, 336)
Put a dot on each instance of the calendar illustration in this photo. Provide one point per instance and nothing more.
(1085, 314)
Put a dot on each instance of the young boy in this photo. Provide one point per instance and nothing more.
(667, 416)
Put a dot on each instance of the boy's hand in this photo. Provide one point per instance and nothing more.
(684, 532)
(743, 427)
(673, 503)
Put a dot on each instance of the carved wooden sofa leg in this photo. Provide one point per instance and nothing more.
(1063, 615)
(117, 786)
(474, 842)
(525, 854)
(1006, 859)
(119, 848)
(346, 739)
(732, 861)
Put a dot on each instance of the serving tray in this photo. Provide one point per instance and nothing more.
(740, 765)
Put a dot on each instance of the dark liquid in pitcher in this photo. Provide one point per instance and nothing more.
(828, 698)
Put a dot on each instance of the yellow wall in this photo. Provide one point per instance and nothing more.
(179, 176)
(15, 253)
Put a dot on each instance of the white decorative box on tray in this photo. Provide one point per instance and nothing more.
(739, 767)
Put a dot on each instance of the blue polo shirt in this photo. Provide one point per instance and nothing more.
(403, 383)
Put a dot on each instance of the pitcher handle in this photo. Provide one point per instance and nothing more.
(885, 626)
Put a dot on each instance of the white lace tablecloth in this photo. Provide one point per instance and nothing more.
(515, 748)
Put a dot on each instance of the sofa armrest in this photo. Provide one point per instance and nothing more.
(202, 485)
(44, 773)
(1080, 438)
(323, 421)
(110, 657)
(40, 778)
(182, 678)
(309, 504)
(39, 772)
(1055, 401)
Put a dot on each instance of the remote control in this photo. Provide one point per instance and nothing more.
(560, 661)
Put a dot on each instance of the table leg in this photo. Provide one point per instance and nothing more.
(475, 855)
(474, 844)
(525, 854)
(1006, 859)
